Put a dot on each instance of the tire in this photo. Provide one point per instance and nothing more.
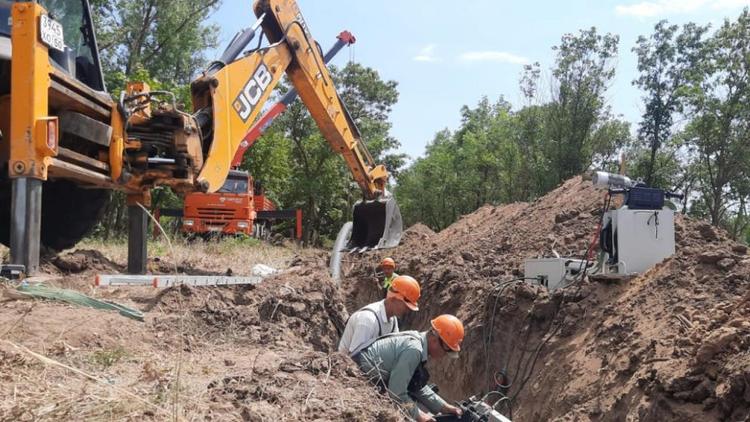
(69, 212)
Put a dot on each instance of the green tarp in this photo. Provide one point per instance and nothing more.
(71, 296)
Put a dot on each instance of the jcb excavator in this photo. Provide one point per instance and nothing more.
(67, 143)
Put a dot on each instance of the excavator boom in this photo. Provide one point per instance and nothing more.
(232, 95)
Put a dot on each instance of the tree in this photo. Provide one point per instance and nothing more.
(664, 59)
(584, 66)
(300, 167)
(717, 101)
(166, 38)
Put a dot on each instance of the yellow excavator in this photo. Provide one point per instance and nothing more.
(66, 143)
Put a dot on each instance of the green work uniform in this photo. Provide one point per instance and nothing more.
(391, 361)
(387, 281)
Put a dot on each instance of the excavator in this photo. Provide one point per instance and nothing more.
(66, 143)
(240, 205)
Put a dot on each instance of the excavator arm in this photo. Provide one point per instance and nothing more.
(229, 97)
(234, 95)
(343, 39)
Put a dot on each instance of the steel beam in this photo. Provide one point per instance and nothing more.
(137, 245)
(26, 223)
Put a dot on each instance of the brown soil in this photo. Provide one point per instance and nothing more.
(669, 345)
(248, 353)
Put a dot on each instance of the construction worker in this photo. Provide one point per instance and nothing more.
(388, 265)
(396, 362)
(380, 318)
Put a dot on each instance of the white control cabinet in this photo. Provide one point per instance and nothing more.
(641, 238)
(553, 273)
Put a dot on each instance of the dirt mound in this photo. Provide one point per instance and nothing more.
(299, 305)
(671, 344)
(243, 353)
(82, 260)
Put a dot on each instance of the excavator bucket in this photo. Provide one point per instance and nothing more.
(377, 224)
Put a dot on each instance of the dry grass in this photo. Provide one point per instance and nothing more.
(61, 363)
(239, 255)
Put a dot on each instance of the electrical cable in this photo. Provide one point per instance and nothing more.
(497, 292)
(525, 367)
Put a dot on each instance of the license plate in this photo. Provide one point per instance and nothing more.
(52, 33)
(215, 228)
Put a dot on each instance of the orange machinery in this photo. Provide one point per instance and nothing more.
(239, 207)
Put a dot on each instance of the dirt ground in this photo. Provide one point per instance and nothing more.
(245, 353)
(669, 345)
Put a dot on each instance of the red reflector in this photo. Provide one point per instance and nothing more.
(52, 134)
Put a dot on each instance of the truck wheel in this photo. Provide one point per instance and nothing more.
(69, 212)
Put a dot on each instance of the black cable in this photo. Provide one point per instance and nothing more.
(497, 291)
(533, 363)
(527, 370)
(584, 265)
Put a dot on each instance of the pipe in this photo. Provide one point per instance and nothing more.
(341, 240)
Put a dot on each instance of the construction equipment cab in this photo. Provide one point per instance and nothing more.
(68, 143)
(230, 210)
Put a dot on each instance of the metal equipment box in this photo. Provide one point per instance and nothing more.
(641, 239)
(553, 273)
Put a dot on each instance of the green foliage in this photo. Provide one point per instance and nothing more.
(717, 104)
(160, 41)
(665, 59)
(584, 67)
(498, 155)
(108, 357)
(299, 168)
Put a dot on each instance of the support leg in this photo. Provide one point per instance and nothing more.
(137, 245)
(26, 223)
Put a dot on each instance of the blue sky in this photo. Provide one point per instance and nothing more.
(445, 54)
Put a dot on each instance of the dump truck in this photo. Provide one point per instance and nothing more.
(240, 207)
(66, 143)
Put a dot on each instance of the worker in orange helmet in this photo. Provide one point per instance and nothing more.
(380, 318)
(397, 363)
(388, 265)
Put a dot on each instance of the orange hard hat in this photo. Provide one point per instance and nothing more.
(450, 329)
(407, 289)
(388, 262)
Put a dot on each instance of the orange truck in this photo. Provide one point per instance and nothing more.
(238, 207)
(230, 210)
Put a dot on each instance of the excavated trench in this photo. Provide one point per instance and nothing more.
(671, 344)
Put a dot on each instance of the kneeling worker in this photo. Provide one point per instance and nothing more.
(379, 318)
(397, 361)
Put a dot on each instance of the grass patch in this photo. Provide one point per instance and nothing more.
(107, 358)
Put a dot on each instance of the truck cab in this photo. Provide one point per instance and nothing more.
(228, 211)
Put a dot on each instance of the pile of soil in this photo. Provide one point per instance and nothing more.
(670, 344)
(244, 353)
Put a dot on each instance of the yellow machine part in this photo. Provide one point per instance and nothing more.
(245, 86)
(30, 81)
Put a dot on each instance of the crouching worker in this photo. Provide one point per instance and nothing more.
(380, 318)
(396, 362)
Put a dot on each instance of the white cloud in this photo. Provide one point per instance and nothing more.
(647, 9)
(493, 56)
(427, 54)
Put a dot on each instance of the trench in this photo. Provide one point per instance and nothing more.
(505, 340)
(667, 345)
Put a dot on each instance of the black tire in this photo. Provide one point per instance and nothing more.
(69, 212)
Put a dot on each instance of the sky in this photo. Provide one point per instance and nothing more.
(446, 54)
